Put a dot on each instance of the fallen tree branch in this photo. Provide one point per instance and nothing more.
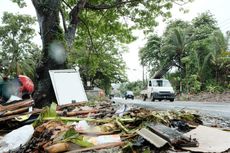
(121, 126)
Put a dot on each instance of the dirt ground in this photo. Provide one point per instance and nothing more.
(207, 97)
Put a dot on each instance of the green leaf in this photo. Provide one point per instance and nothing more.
(72, 136)
(51, 111)
(48, 112)
(21, 3)
(71, 133)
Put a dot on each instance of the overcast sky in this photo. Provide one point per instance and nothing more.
(219, 8)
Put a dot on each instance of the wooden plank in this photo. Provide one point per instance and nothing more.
(17, 111)
(18, 115)
(17, 105)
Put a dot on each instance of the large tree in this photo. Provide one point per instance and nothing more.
(19, 53)
(77, 13)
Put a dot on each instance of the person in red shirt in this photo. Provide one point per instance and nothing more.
(27, 86)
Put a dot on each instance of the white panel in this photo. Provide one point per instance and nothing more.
(68, 86)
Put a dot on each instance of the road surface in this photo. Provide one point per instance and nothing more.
(217, 109)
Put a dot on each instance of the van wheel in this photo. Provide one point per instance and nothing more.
(159, 99)
(153, 99)
(171, 100)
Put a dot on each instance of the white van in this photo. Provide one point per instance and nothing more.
(159, 89)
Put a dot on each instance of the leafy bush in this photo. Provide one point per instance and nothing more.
(213, 87)
(194, 85)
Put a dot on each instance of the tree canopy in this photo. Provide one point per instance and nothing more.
(199, 49)
(18, 53)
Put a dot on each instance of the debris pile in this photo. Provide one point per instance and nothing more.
(16, 113)
(92, 126)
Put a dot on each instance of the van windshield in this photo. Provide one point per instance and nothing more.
(161, 83)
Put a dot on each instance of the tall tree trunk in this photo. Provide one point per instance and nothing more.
(50, 31)
(52, 34)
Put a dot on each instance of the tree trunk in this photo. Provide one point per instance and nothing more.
(50, 31)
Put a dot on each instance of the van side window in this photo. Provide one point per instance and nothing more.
(150, 83)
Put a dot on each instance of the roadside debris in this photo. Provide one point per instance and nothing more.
(173, 136)
(210, 139)
(16, 138)
(90, 126)
(17, 113)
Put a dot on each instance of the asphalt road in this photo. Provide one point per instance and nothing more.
(217, 109)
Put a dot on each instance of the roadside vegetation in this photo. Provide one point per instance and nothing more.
(199, 51)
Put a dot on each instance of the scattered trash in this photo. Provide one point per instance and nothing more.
(180, 125)
(16, 138)
(13, 98)
(173, 136)
(122, 110)
(90, 126)
(82, 126)
(99, 140)
(210, 139)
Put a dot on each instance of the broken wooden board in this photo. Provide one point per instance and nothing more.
(20, 104)
(154, 139)
(173, 136)
(3, 119)
(210, 139)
